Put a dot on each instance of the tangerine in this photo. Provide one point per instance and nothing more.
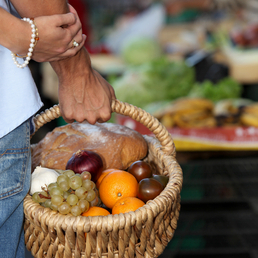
(95, 211)
(127, 204)
(103, 174)
(116, 185)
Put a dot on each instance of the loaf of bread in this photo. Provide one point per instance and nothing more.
(118, 146)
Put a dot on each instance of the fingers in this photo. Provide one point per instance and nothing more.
(68, 19)
(70, 52)
(75, 31)
(92, 118)
(74, 49)
(112, 91)
(69, 121)
(82, 115)
(104, 119)
(78, 38)
(64, 20)
(66, 113)
(73, 11)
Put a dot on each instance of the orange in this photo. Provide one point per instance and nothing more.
(127, 204)
(103, 174)
(95, 211)
(116, 185)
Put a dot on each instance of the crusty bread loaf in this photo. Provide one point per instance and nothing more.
(117, 145)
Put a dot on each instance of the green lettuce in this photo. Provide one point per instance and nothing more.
(226, 88)
(140, 50)
(158, 80)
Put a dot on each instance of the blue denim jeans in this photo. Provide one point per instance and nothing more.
(15, 172)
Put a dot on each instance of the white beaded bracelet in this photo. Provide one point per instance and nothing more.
(33, 42)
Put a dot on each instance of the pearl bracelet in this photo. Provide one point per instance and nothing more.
(33, 42)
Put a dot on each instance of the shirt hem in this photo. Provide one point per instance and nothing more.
(21, 120)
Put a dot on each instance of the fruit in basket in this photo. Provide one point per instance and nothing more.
(86, 175)
(71, 193)
(140, 170)
(64, 208)
(162, 179)
(72, 199)
(103, 174)
(84, 160)
(75, 182)
(84, 205)
(127, 204)
(148, 189)
(96, 211)
(40, 197)
(116, 185)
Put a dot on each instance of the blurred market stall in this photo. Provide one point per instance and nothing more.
(189, 63)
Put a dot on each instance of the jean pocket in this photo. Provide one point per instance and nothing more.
(13, 167)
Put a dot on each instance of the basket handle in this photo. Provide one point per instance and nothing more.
(126, 109)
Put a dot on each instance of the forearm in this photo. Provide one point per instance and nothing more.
(83, 93)
(28, 9)
(16, 32)
(73, 68)
(35, 8)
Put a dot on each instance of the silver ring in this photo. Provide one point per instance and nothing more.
(75, 44)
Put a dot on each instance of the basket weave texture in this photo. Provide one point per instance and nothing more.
(143, 233)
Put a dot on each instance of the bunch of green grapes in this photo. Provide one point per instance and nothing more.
(71, 193)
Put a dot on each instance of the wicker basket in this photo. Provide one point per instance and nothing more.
(143, 233)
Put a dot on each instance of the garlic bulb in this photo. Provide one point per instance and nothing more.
(41, 177)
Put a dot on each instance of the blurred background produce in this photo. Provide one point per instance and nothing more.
(193, 65)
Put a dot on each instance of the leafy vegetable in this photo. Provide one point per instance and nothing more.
(168, 80)
(140, 50)
(158, 80)
(224, 89)
(130, 88)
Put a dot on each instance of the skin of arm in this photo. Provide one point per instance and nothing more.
(83, 93)
(17, 35)
(16, 43)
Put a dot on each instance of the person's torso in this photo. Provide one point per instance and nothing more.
(19, 98)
